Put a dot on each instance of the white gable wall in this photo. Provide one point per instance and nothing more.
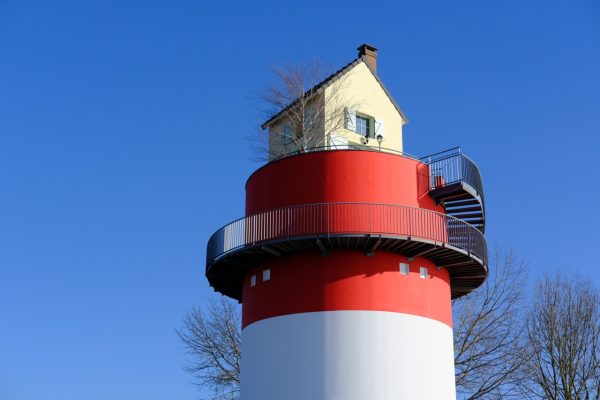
(277, 145)
(358, 89)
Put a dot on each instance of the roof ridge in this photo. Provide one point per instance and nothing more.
(332, 78)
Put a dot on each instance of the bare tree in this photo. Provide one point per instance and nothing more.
(563, 335)
(307, 113)
(488, 338)
(213, 339)
(488, 332)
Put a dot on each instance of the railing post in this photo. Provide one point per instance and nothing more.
(327, 217)
(289, 222)
(409, 220)
(470, 242)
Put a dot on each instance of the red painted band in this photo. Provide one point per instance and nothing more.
(345, 219)
(346, 280)
(340, 176)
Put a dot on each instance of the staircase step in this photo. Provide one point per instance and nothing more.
(457, 196)
(462, 209)
(466, 202)
(460, 204)
(465, 215)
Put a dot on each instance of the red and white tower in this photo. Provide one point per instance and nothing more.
(346, 263)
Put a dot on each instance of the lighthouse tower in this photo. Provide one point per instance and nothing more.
(350, 252)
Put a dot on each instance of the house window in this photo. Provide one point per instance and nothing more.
(424, 273)
(404, 269)
(287, 134)
(309, 119)
(266, 275)
(363, 126)
(253, 281)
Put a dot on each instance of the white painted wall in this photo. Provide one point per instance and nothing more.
(359, 90)
(347, 355)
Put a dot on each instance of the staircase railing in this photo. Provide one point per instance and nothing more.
(453, 169)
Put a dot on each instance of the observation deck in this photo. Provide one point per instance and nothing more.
(324, 200)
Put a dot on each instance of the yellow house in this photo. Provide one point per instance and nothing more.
(349, 109)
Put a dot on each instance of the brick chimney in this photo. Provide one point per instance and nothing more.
(370, 54)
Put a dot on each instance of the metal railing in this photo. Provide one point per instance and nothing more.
(445, 167)
(330, 219)
(452, 169)
(349, 146)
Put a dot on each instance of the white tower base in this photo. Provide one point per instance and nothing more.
(348, 355)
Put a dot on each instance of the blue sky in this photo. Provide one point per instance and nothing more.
(123, 146)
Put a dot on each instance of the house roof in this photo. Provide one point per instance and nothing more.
(320, 87)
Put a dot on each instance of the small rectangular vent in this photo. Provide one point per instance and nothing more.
(266, 275)
(404, 269)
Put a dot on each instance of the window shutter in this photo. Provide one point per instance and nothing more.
(379, 127)
(349, 118)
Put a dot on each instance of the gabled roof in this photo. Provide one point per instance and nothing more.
(321, 86)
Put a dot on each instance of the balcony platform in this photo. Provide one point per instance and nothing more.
(326, 228)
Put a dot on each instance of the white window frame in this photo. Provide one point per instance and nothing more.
(368, 126)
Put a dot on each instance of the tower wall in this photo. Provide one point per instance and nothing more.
(347, 326)
(340, 176)
(329, 311)
(346, 280)
(347, 355)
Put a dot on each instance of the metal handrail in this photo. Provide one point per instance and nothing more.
(446, 153)
(344, 147)
(452, 169)
(326, 219)
(444, 170)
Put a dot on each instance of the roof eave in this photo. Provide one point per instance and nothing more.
(387, 92)
(321, 86)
